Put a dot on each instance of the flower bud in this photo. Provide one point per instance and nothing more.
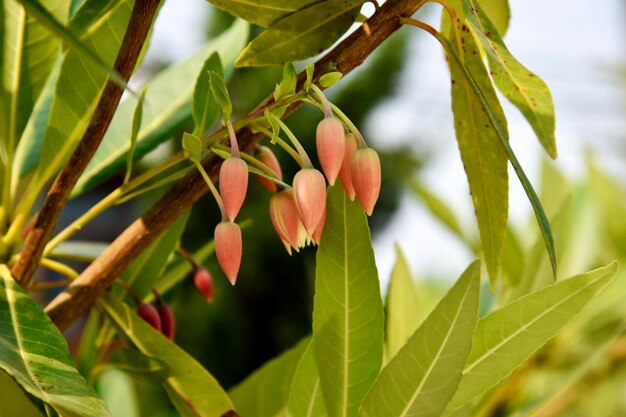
(203, 281)
(330, 143)
(166, 315)
(228, 248)
(285, 218)
(269, 159)
(233, 185)
(150, 315)
(365, 173)
(317, 234)
(310, 191)
(344, 172)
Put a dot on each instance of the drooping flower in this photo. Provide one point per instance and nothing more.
(285, 219)
(203, 281)
(310, 192)
(228, 248)
(269, 159)
(317, 234)
(233, 185)
(365, 174)
(344, 172)
(330, 144)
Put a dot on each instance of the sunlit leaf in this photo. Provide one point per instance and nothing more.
(35, 354)
(261, 12)
(301, 35)
(305, 394)
(348, 311)
(507, 337)
(264, 393)
(498, 12)
(168, 107)
(423, 376)
(193, 391)
(287, 84)
(401, 309)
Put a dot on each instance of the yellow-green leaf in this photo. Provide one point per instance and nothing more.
(261, 12)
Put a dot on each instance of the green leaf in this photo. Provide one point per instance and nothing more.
(220, 94)
(484, 158)
(14, 400)
(301, 35)
(507, 337)
(191, 388)
(146, 270)
(265, 392)
(29, 56)
(287, 86)
(168, 107)
(348, 311)
(35, 354)
(305, 394)
(204, 107)
(135, 363)
(261, 12)
(134, 133)
(329, 79)
(310, 69)
(76, 250)
(422, 378)
(119, 392)
(192, 147)
(401, 309)
(498, 12)
(78, 88)
(520, 86)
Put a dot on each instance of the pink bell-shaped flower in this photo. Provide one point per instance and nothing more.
(365, 174)
(317, 234)
(330, 142)
(344, 172)
(228, 248)
(233, 185)
(203, 281)
(285, 218)
(310, 191)
(269, 159)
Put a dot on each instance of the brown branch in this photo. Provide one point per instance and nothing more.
(136, 33)
(82, 293)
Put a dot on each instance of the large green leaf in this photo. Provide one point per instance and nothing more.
(305, 394)
(423, 376)
(302, 34)
(265, 392)
(401, 309)
(192, 389)
(14, 400)
(507, 337)
(520, 86)
(484, 158)
(168, 106)
(79, 86)
(35, 354)
(348, 311)
(261, 12)
(29, 55)
(498, 12)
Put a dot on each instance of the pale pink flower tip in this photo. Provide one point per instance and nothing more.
(317, 234)
(344, 172)
(203, 281)
(233, 185)
(285, 218)
(228, 248)
(310, 191)
(269, 159)
(365, 173)
(330, 143)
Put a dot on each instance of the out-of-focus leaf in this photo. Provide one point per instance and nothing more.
(401, 309)
(14, 400)
(301, 35)
(513, 259)
(204, 107)
(265, 392)
(348, 312)
(483, 156)
(168, 106)
(193, 391)
(118, 391)
(305, 394)
(261, 12)
(554, 188)
(422, 378)
(35, 354)
(79, 250)
(139, 365)
(29, 56)
(520, 86)
(498, 12)
(439, 209)
(507, 337)
(133, 135)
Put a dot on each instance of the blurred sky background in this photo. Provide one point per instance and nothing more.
(576, 46)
